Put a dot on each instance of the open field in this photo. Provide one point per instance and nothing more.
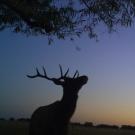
(13, 128)
(21, 128)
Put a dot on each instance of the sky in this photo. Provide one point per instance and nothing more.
(109, 95)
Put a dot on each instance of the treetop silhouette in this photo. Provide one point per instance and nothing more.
(66, 18)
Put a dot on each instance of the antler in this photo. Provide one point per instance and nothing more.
(57, 81)
(76, 74)
(40, 75)
(63, 76)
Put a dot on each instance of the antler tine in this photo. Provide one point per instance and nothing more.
(44, 71)
(66, 72)
(61, 70)
(45, 74)
(40, 75)
(29, 76)
(37, 72)
(75, 74)
(34, 76)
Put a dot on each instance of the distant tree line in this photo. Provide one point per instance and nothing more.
(77, 124)
(106, 126)
(14, 119)
(128, 127)
(90, 124)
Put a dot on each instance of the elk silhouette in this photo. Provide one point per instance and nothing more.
(53, 119)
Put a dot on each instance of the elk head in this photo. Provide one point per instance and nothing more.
(69, 84)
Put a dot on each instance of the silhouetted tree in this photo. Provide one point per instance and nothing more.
(128, 127)
(2, 119)
(88, 124)
(76, 124)
(12, 119)
(23, 119)
(66, 18)
(107, 126)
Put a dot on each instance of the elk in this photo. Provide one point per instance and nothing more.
(53, 119)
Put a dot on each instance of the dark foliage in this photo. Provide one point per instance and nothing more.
(88, 124)
(12, 119)
(65, 18)
(107, 126)
(23, 119)
(128, 127)
(75, 124)
(2, 119)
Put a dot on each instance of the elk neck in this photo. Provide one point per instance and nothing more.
(69, 101)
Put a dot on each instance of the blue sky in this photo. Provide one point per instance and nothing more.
(109, 95)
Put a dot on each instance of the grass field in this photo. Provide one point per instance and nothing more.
(13, 128)
(21, 128)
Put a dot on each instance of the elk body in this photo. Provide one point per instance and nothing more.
(54, 118)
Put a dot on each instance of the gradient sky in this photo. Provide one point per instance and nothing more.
(108, 97)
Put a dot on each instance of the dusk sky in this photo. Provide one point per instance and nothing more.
(109, 95)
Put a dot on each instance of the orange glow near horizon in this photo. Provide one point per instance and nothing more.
(103, 114)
